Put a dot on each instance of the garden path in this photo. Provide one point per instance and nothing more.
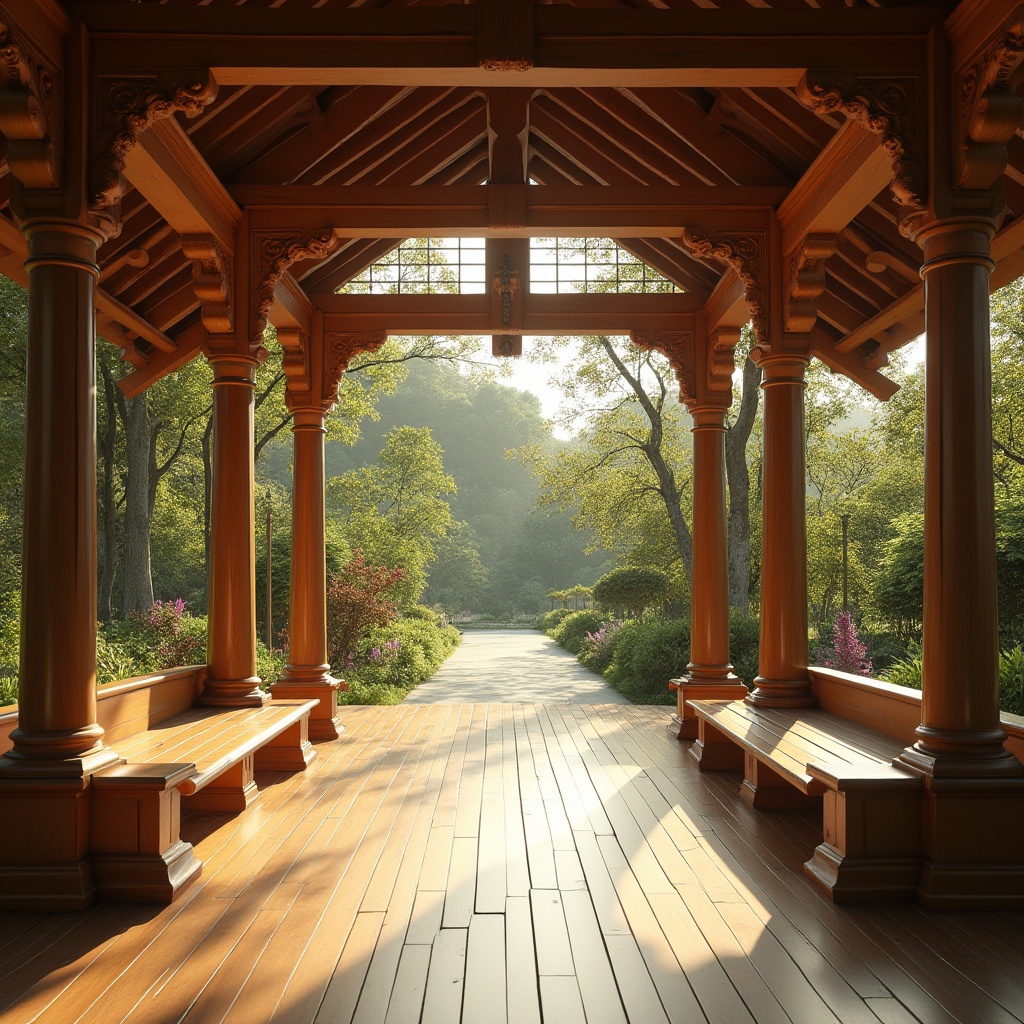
(512, 665)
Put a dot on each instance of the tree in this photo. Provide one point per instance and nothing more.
(359, 597)
(632, 587)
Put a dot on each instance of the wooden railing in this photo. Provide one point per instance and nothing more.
(131, 705)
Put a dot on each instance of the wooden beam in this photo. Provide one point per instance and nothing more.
(727, 304)
(186, 347)
(292, 45)
(506, 210)
(851, 170)
(851, 365)
(292, 306)
(170, 172)
(45, 22)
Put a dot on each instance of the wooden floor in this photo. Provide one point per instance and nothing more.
(486, 863)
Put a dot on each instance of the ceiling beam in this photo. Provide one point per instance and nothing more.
(185, 348)
(292, 45)
(173, 176)
(506, 210)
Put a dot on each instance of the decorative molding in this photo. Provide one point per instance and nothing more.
(990, 111)
(273, 254)
(807, 281)
(506, 64)
(721, 361)
(506, 346)
(295, 365)
(339, 350)
(31, 115)
(127, 106)
(212, 277)
(677, 348)
(506, 284)
(887, 107)
(746, 253)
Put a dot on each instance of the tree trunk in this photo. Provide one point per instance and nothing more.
(138, 575)
(207, 488)
(107, 507)
(738, 477)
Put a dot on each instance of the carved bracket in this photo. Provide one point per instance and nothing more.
(747, 254)
(339, 350)
(506, 284)
(990, 110)
(273, 255)
(295, 364)
(807, 281)
(212, 272)
(677, 348)
(722, 362)
(127, 106)
(887, 107)
(30, 113)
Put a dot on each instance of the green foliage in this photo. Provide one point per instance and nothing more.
(573, 629)
(744, 645)
(898, 593)
(908, 671)
(648, 653)
(549, 620)
(598, 649)
(631, 587)
(421, 611)
(1011, 681)
(359, 597)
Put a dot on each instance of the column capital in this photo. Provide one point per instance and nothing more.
(62, 242)
(956, 240)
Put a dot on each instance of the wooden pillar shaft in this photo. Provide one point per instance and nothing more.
(782, 668)
(232, 678)
(57, 703)
(960, 732)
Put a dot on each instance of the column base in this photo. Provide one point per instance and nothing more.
(727, 687)
(781, 693)
(946, 754)
(324, 720)
(147, 877)
(233, 693)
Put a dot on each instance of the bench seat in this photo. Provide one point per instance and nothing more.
(791, 757)
(202, 759)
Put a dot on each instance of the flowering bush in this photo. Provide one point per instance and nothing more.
(358, 599)
(847, 653)
(598, 648)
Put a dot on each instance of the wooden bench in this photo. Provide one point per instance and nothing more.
(792, 757)
(202, 759)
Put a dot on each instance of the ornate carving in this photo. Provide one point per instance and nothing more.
(212, 272)
(128, 106)
(677, 348)
(30, 113)
(886, 107)
(274, 254)
(339, 350)
(506, 346)
(746, 254)
(807, 281)
(721, 361)
(295, 364)
(506, 64)
(990, 110)
(506, 284)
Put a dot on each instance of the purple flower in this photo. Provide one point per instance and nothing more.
(375, 654)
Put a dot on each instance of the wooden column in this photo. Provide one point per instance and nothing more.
(232, 680)
(58, 743)
(308, 673)
(782, 667)
(709, 676)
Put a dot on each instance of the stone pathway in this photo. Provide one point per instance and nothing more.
(512, 665)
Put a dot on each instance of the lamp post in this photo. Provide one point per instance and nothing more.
(846, 561)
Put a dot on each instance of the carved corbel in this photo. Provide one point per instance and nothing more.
(722, 362)
(677, 348)
(747, 254)
(127, 106)
(212, 274)
(807, 281)
(273, 254)
(989, 108)
(506, 285)
(30, 114)
(887, 107)
(339, 350)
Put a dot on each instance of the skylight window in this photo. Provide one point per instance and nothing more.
(567, 265)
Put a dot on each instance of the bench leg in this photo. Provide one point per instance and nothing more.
(233, 791)
(138, 855)
(291, 751)
(766, 790)
(872, 841)
(714, 751)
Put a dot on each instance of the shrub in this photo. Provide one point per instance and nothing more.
(371, 693)
(647, 655)
(631, 587)
(549, 620)
(421, 611)
(573, 629)
(847, 653)
(744, 645)
(113, 661)
(1011, 681)
(598, 648)
(399, 656)
(358, 599)
(166, 636)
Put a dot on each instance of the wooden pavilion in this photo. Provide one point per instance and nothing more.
(180, 174)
